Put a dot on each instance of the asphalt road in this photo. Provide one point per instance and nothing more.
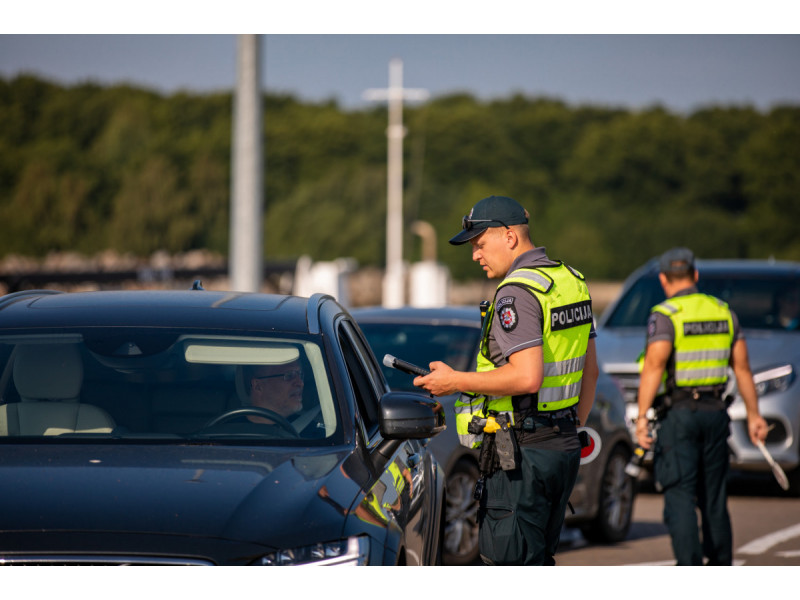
(766, 531)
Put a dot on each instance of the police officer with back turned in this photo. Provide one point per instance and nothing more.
(691, 340)
(535, 382)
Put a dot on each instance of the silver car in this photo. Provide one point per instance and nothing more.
(603, 496)
(764, 295)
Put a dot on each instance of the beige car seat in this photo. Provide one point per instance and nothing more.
(48, 378)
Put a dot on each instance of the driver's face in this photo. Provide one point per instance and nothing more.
(278, 388)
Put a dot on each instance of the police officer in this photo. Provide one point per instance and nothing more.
(537, 372)
(691, 340)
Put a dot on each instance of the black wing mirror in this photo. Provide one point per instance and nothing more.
(407, 415)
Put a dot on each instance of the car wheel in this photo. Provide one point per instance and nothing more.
(616, 501)
(461, 515)
(794, 482)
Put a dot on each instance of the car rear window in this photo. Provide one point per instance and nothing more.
(421, 344)
(760, 302)
(142, 384)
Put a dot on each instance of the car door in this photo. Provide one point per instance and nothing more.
(403, 482)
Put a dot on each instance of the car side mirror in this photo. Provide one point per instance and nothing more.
(408, 415)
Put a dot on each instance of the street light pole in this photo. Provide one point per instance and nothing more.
(245, 260)
(395, 94)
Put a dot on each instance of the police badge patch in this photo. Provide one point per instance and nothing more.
(507, 313)
(651, 326)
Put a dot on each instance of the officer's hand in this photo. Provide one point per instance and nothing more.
(643, 437)
(440, 380)
(757, 428)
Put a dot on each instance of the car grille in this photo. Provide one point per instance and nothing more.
(69, 560)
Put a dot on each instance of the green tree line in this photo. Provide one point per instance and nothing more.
(87, 168)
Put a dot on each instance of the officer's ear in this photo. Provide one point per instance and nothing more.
(512, 238)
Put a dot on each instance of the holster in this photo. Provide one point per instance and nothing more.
(500, 450)
(487, 459)
(506, 445)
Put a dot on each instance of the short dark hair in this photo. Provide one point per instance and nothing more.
(673, 276)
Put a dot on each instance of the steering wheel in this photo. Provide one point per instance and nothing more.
(252, 410)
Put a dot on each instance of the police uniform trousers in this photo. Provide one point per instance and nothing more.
(691, 466)
(521, 521)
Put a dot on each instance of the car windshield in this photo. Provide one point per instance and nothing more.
(155, 384)
(760, 302)
(421, 344)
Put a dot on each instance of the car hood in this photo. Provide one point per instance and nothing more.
(258, 499)
(619, 348)
(769, 349)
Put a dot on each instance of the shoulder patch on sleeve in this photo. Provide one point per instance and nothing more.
(507, 313)
(651, 325)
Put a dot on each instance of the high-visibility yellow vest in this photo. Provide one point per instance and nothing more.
(703, 339)
(567, 321)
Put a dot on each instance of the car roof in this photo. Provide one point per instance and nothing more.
(444, 315)
(160, 308)
(731, 266)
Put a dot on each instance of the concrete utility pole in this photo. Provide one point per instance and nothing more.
(245, 260)
(394, 280)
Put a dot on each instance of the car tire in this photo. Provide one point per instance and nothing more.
(615, 506)
(794, 482)
(460, 544)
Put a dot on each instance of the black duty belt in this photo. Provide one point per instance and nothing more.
(528, 421)
(697, 393)
(697, 400)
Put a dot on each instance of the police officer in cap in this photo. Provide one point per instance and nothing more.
(537, 372)
(691, 340)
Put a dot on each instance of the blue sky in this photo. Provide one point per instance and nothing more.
(681, 72)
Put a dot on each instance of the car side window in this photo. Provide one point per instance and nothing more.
(363, 383)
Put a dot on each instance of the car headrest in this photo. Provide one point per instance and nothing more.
(48, 371)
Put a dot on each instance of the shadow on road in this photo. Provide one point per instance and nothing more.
(755, 484)
(646, 529)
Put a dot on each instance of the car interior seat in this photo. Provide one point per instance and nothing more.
(48, 378)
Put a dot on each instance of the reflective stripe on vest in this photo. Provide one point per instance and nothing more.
(703, 339)
(466, 406)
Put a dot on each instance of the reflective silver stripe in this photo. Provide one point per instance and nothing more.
(470, 440)
(670, 307)
(531, 276)
(699, 355)
(557, 394)
(714, 373)
(564, 367)
(465, 407)
(466, 404)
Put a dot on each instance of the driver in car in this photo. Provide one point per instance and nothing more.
(278, 388)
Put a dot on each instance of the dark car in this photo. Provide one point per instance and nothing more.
(765, 295)
(603, 495)
(156, 428)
